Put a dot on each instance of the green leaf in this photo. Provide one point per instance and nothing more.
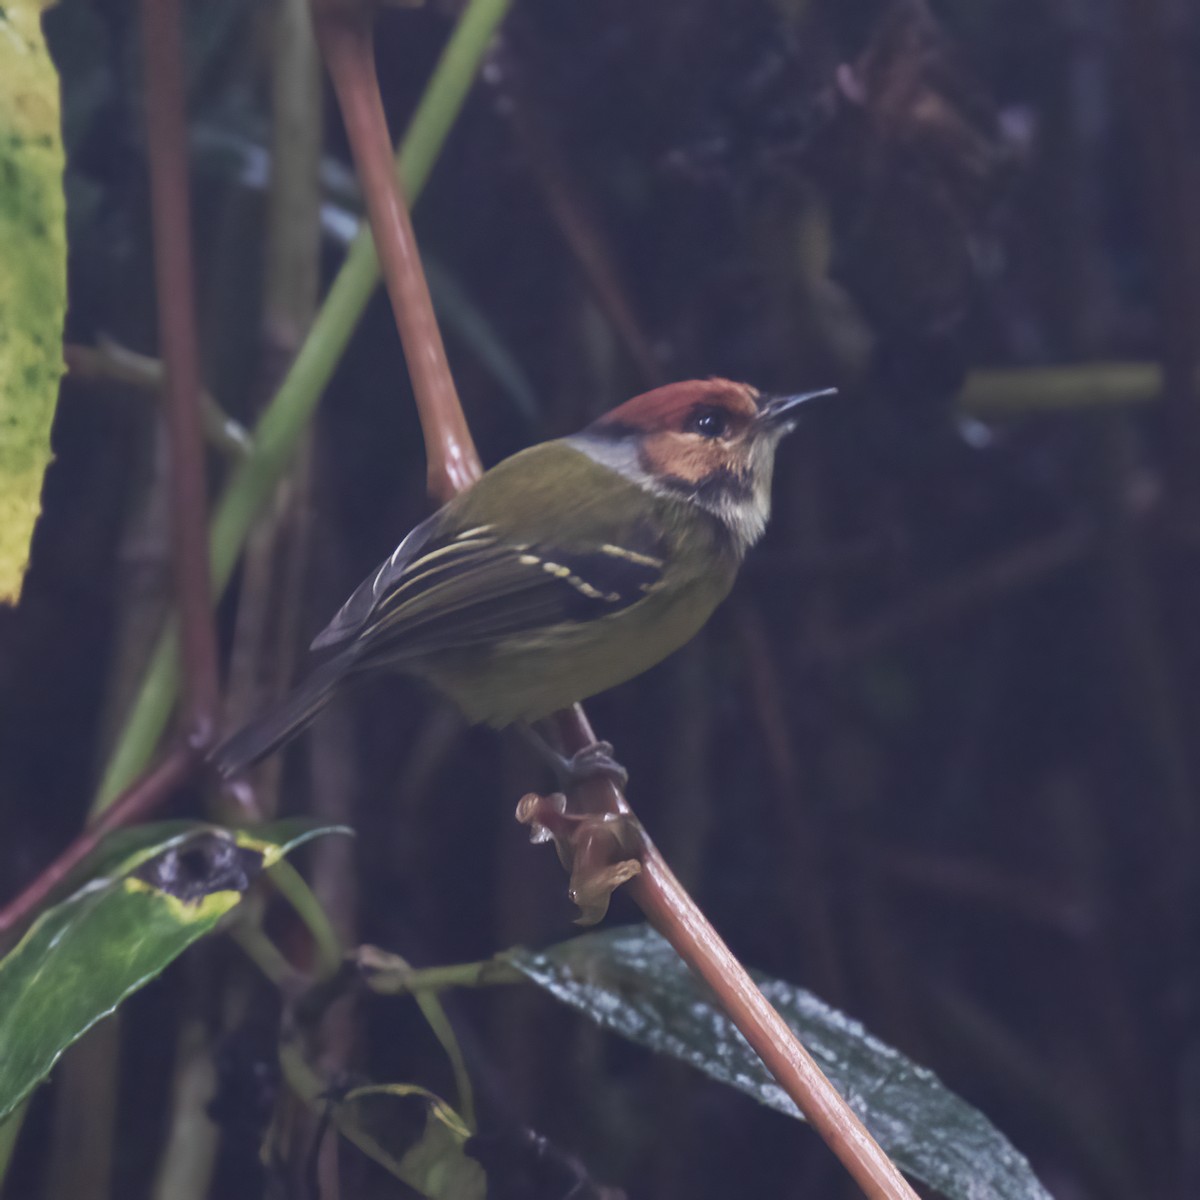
(435, 1161)
(630, 981)
(163, 887)
(409, 1131)
(33, 278)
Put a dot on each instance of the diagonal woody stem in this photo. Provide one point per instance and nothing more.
(134, 804)
(345, 35)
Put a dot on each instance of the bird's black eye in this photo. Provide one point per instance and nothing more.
(708, 422)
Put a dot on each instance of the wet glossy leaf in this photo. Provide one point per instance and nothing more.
(631, 981)
(163, 887)
(33, 280)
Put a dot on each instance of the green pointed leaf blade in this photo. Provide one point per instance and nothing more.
(632, 982)
(278, 839)
(33, 279)
(431, 1157)
(165, 887)
(406, 1129)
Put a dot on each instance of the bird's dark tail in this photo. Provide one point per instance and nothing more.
(292, 715)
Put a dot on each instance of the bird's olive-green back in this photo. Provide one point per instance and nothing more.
(553, 497)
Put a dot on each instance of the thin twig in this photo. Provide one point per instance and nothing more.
(344, 33)
(166, 133)
(108, 361)
(137, 802)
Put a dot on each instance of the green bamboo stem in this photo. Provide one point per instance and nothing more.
(280, 428)
(291, 886)
(1013, 391)
(389, 976)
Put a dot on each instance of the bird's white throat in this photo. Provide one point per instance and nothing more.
(743, 509)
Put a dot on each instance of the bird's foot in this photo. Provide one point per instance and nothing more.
(591, 762)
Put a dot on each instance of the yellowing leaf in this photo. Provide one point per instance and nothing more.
(33, 277)
(151, 893)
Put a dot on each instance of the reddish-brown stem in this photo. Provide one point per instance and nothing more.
(671, 910)
(166, 132)
(138, 801)
(673, 913)
(344, 33)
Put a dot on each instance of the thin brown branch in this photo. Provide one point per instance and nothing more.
(345, 35)
(138, 801)
(110, 362)
(166, 131)
(671, 910)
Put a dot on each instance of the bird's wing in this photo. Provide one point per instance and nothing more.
(456, 588)
(349, 620)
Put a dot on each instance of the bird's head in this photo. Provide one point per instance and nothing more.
(710, 442)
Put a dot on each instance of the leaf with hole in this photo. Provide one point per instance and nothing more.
(630, 981)
(162, 888)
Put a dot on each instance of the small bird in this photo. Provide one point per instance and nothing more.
(567, 569)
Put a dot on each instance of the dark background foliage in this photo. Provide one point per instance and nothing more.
(935, 757)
